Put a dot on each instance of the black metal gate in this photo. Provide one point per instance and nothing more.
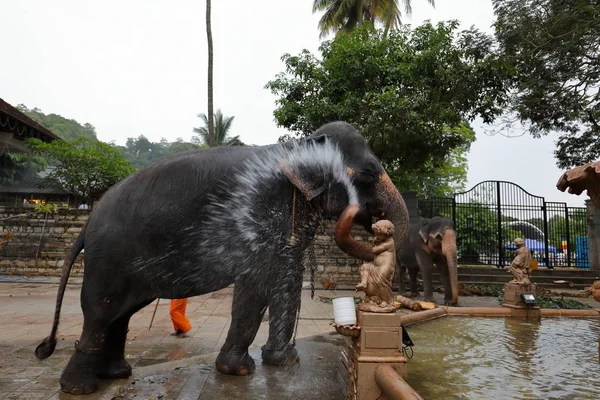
(488, 217)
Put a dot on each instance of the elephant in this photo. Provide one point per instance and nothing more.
(429, 241)
(199, 221)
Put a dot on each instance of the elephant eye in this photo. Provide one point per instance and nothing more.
(438, 236)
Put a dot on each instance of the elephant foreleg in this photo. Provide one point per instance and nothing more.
(401, 277)
(284, 304)
(426, 266)
(414, 273)
(249, 306)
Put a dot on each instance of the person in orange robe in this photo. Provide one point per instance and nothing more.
(181, 323)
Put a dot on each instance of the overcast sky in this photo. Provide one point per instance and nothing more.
(139, 67)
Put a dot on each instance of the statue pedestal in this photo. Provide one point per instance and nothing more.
(380, 341)
(514, 301)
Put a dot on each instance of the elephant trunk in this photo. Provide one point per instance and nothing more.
(393, 206)
(449, 252)
(344, 239)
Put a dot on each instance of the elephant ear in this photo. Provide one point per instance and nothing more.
(309, 186)
(424, 231)
(306, 181)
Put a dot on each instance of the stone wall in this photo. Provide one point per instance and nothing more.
(38, 243)
(332, 263)
(38, 246)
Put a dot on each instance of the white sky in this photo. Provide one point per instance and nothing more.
(139, 67)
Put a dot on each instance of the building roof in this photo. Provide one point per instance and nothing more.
(32, 187)
(41, 133)
(15, 127)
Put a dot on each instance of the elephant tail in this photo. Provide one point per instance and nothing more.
(46, 348)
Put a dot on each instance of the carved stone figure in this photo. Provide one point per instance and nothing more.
(520, 264)
(376, 277)
(594, 290)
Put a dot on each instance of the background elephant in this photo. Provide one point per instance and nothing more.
(199, 221)
(430, 241)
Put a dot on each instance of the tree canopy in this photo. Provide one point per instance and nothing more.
(412, 94)
(342, 16)
(221, 134)
(66, 129)
(553, 46)
(20, 167)
(141, 152)
(85, 167)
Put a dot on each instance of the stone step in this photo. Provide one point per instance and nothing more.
(541, 271)
(506, 277)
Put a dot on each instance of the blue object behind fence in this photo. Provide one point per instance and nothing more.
(581, 252)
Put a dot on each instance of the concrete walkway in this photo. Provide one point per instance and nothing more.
(26, 313)
(164, 365)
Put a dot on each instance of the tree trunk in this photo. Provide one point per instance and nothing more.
(211, 120)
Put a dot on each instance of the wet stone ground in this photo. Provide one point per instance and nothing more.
(26, 313)
(166, 367)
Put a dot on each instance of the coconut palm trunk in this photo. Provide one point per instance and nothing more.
(211, 121)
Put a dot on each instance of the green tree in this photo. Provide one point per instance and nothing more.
(344, 16)
(20, 167)
(553, 47)
(141, 152)
(66, 129)
(84, 167)
(221, 135)
(411, 94)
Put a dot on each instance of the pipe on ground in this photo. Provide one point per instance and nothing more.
(421, 316)
(392, 385)
(551, 312)
(480, 311)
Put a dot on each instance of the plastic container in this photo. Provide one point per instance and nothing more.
(344, 311)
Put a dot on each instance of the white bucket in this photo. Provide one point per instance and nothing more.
(344, 311)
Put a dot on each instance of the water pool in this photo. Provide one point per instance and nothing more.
(505, 358)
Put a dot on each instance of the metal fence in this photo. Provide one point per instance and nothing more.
(488, 217)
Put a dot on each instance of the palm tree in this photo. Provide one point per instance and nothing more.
(345, 15)
(211, 122)
(221, 136)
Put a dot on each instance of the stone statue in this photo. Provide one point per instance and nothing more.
(376, 277)
(520, 265)
(594, 291)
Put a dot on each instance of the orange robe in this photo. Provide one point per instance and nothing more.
(177, 311)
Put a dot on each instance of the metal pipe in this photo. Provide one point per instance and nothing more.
(392, 385)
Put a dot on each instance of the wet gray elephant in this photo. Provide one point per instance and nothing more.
(430, 241)
(197, 222)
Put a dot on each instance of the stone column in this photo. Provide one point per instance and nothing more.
(593, 223)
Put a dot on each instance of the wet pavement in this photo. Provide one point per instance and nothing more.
(26, 313)
(315, 377)
(166, 367)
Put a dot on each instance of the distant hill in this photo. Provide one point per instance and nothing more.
(67, 129)
(138, 151)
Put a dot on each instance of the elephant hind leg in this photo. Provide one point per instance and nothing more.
(80, 375)
(114, 364)
(249, 306)
(100, 349)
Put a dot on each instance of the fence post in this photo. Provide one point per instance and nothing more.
(567, 228)
(499, 211)
(547, 257)
(454, 210)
